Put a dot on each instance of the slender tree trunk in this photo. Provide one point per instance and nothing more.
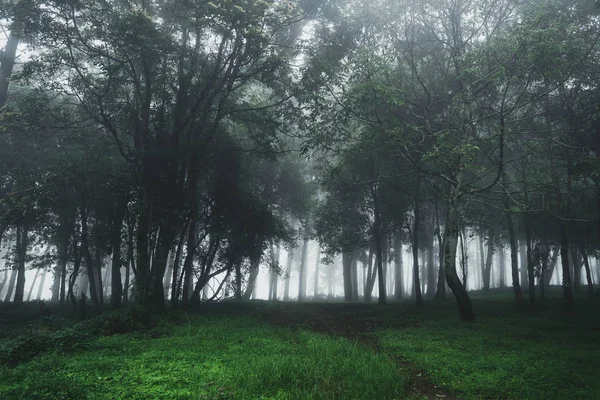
(523, 262)
(514, 261)
(35, 277)
(441, 282)
(568, 301)
(238, 280)
(169, 274)
(462, 297)
(156, 295)
(11, 284)
(175, 284)
(416, 232)
(276, 283)
(142, 270)
(88, 256)
(22, 243)
(188, 264)
(115, 284)
(303, 266)
(530, 266)
(502, 267)
(355, 275)
(551, 266)
(317, 263)
(4, 279)
(488, 262)
(41, 286)
(588, 273)
(254, 269)
(347, 275)
(288, 275)
(398, 290)
(75, 273)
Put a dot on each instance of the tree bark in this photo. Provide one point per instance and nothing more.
(463, 300)
(303, 267)
(399, 284)
(115, 285)
(35, 277)
(347, 275)
(568, 301)
(514, 261)
(22, 243)
(41, 286)
(317, 263)
(11, 285)
(288, 274)
(488, 262)
(530, 265)
(7, 62)
(85, 248)
(588, 273)
(415, 250)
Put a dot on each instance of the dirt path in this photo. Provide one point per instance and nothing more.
(356, 328)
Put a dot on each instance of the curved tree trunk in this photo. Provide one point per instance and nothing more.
(463, 300)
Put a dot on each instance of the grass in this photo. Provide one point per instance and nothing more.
(208, 357)
(504, 354)
(231, 351)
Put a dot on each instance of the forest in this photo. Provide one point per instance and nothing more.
(327, 199)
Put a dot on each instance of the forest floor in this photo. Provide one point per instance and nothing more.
(276, 350)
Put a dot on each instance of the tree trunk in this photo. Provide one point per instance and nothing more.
(156, 294)
(169, 274)
(523, 262)
(347, 275)
(317, 263)
(568, 301)
(514, 261)
(6, 66)
(175, 284)
(530, 266)
(398, 290)
(254, 269)
(238, 280)
(41, 286)
(115, 284)
(35, 277)
(588, 274)
(415, 250)
(22, 243)
(142, 270)
(371, 275)
(551, 266)
(355, 275)
(188, 264)
(465, 307)
(288, 274)
(11, 285)
(502, 267)
(85, 248)
(488, 262)
(303, 267)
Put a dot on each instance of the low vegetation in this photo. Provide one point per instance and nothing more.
(265, 350)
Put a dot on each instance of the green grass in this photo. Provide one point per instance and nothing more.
(211, 357)
(504, 354)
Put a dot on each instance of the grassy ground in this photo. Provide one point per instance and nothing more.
(310, 351)
(208, 357)
(506, 354)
